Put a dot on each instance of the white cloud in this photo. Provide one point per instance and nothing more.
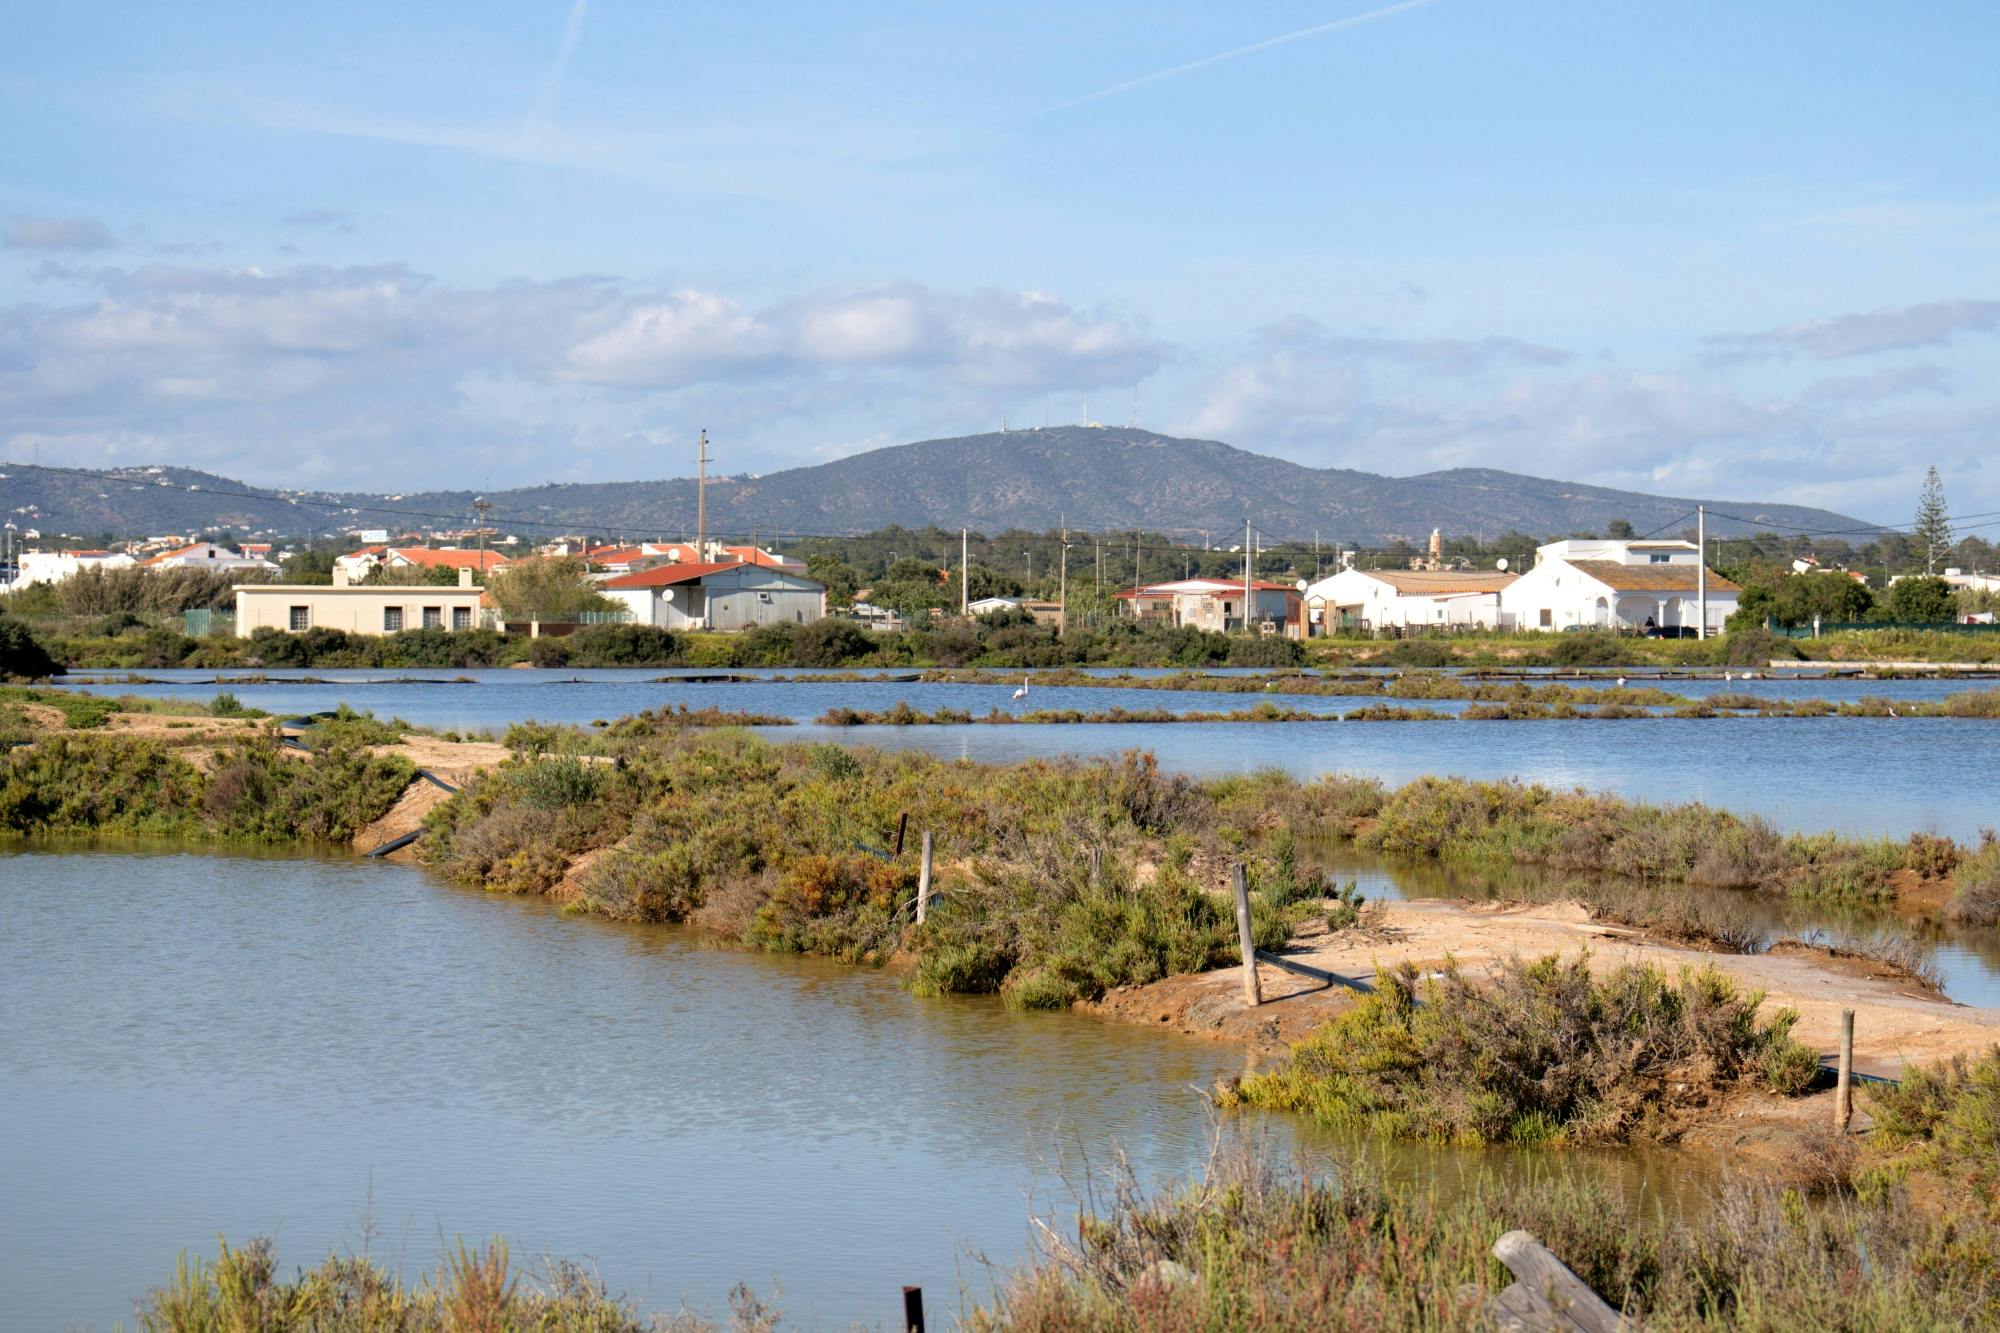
(26, 233)
(370, 371)
(1894, 329)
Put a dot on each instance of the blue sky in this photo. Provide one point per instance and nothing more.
(1743, 251)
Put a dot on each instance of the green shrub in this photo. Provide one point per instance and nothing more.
(1946, 1118)
(22, 656)
(1975, 900)
(1546, 1053)
(621, 646)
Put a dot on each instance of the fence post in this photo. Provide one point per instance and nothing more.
(913, 1310)
(1253, 994)
(1096, 865)
(1843, 1096)
(902, 824)
(924, 881)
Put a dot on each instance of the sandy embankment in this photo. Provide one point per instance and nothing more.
(1896, 1023)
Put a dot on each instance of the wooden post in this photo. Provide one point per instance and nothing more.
(1843, 1096)
(1096, 866)
(924, 881)
(1253, 994)
(913, 1310)
(902, 823)
(1550, 1295)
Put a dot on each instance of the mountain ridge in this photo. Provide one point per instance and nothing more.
(1092, 478)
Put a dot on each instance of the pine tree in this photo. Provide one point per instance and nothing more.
(1933, 527)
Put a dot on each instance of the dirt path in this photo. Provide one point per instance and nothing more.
(1895, 1023)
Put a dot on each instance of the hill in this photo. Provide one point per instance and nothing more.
(1094, 478)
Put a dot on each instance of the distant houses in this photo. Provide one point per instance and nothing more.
(358, 565)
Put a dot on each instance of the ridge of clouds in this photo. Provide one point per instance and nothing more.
(21, 232)
(1899, 328)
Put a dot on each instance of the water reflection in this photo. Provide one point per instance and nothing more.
(329, 1050)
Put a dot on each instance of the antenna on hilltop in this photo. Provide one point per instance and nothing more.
(1133, 423)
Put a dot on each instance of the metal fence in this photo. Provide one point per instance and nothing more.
(202, 622)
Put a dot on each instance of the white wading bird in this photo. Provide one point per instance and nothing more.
(1022, 693)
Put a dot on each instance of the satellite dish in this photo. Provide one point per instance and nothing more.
(1501, 564)
(1302, 585)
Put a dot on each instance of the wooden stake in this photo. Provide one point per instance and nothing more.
(902, 823)
(924, 881)
(913, 1310)
(1096, 866)
(1253, 993)
(1843, 1096)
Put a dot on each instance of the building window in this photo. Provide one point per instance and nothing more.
(1659, 559)
(764, 597)
(301, 619)
(392, 619)
(433, 617)
(461, 617)
(1547, 618)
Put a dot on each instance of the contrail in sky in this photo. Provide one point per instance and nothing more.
(1252, 49)
(545, 96)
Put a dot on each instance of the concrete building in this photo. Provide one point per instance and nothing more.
(1369, 600)
(1217, 605)
(1635, 585)
(380, 609)
(723, 595)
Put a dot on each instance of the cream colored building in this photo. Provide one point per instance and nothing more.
(375, 609)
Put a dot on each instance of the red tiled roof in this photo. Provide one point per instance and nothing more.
(450, 557)
(665, 576)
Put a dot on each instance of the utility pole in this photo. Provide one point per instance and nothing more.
(1701, 566)
(701, 499)
(1062, 585)
(481, 506)
(964, 571)
(1098, 591)
(1246, 574)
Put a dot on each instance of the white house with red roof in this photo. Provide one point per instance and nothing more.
(1218, 604)
(718, 595)
(358, 565)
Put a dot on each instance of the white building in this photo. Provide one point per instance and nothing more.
(1400, 599)
(728, 595)
(207, 555)
(1217, 605)
(55, 566)
(1615, 585)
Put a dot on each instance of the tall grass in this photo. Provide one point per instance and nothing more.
(1255, 1247)
(477, 1291)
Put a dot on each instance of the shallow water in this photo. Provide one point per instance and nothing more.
(347, 1054)
(1860, 776)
